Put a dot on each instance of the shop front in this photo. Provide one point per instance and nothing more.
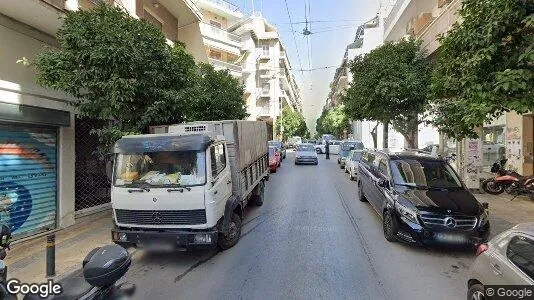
(29, 167)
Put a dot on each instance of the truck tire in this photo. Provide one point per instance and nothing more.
(227, 241)
(258, 195)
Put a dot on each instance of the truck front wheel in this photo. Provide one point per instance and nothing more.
(231, 238)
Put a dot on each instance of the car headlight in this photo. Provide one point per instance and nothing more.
(407, 213)
(484, 217)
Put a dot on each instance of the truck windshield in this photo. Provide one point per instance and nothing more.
(160, 169)
(424, 174)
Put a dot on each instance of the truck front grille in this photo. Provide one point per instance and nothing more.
(436, 220)
(161, 217)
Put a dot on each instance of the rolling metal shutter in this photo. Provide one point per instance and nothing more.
(28, 179)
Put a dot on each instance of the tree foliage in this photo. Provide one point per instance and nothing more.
(124, 71)
(484, 66)
(333, 121)
(293, 124)
(218, 94)
(390, 84)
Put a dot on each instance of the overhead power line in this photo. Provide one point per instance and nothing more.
(293, 32)
(323, 21)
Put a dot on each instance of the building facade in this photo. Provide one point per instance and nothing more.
(509, 137)
(250, 49)
(48, 175)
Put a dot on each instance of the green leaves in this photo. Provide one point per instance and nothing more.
(484, 66)
(390, 84)
(293, 123)
(333, 121)
(123, 70)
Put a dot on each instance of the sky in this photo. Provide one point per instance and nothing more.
(334, 23)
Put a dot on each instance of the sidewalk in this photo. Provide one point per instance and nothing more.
(26, 261)
(505, 213)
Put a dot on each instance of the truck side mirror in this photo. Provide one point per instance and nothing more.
(109, 170)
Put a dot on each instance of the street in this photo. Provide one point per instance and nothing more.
(311, 239)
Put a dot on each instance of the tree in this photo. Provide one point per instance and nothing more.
(221, 96)
(484, 66)
(293, 124)
(390, 85)
(124, 71)
(333, 121)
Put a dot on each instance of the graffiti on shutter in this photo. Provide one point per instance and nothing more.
(28, 179)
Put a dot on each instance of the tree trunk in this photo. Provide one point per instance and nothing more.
(374, 135)
(411, 136)
(385, 143)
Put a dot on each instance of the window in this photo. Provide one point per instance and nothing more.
(265, 88)
(151, 19)
(215, 23)
(215, 54)
(520, 251)
(424, 173)
(218, 160)
(369, 158)
(265, 49)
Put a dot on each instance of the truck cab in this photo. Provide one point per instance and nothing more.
(176, 190)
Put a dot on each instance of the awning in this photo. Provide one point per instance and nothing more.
(161, 142)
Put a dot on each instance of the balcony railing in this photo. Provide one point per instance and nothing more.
(441, 24)
(265, 110)
(225, 65)
(393, 12)
(218, 33)
(224, 4)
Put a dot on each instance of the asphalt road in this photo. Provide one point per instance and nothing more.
(312, 239)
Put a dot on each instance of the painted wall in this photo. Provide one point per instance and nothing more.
(17, 85)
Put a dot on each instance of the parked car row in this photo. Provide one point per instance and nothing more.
(422, 201)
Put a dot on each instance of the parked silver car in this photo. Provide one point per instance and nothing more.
(507, 259)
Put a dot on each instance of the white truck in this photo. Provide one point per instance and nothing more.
(187, 187)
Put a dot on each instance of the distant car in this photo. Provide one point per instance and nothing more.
(305, 154)
(344, 151)
(333, 147)
(507, 259)
(352, 163)
(294, 141)
(280, 147)
(274, 159)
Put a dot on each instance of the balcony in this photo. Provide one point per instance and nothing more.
(220, 35)
(264, 93)
(401, 14)
(264, 66)
(234, 69)
(221, 7)
(45, 16)
(441, 24)
(264, 111)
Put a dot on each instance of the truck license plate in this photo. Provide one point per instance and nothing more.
(164, 247)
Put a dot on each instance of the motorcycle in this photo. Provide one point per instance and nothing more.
(102, 268)
(507, 180)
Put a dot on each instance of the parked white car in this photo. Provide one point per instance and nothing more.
(507, 259)
(352, 163)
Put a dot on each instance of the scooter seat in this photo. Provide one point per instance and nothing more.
(73, 288)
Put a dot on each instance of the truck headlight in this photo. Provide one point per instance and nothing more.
(406, 213)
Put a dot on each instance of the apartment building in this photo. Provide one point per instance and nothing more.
(48, 174)
(510, 137)
(269, 83)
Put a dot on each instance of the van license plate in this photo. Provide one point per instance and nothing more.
(450, 238)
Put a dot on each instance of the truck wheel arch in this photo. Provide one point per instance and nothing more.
(232, 205)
